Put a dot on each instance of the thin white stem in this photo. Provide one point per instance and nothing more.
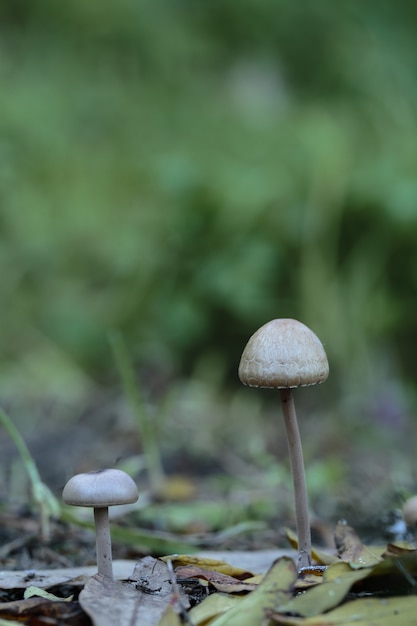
(299, 480)
(103, 542)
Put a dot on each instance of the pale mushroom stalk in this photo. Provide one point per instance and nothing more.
(103, 542)
(298, 475)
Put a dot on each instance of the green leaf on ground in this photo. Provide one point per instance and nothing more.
(337, 581)
(275, 588)
(213, 606)
(363, 612)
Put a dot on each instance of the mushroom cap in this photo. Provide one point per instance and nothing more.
(101, 488)
(410, 511)
(283, 353)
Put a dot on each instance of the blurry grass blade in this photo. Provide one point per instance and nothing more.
(240, 529)
(43, 497)
(145, 426)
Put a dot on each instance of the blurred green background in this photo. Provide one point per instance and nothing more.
(184, 171)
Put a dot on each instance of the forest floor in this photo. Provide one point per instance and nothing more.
(214, 499)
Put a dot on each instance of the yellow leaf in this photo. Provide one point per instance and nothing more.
(319, 556)
(212, 564)
(169, 618)
(32, 591)
(213, 606)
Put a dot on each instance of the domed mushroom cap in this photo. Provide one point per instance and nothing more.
(283, 353)
(410, 511)
(102, 488)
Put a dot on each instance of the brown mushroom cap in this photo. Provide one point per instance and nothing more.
(283, 353)
(102, 488)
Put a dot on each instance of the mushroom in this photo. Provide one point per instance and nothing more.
(101, 489)
(410, 511)
(283, 354)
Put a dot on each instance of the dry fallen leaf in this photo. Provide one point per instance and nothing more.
(40, 611)
(276, 587)
(221, 582)
(109, 602)
(394, 549)
(351, 549)
(219, 566)
(141, 600)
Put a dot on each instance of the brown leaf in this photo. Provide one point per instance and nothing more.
(221, 582)
(352, 550)
(41, 611)
(395, 550)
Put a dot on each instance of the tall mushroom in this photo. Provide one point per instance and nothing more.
(99, 490)
(283, 354)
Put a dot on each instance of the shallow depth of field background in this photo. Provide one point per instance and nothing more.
(182, 172)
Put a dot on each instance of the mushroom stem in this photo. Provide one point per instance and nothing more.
(103, 541)
(299, 479)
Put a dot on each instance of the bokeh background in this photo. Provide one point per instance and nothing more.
(181, 172)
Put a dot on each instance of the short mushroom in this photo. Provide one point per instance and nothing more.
(99, 490)
(283, 354)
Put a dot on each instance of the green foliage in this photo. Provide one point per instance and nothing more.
(186, 171)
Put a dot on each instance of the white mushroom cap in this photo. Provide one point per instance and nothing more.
(101, 488)
(410, 511)
(283, 353)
